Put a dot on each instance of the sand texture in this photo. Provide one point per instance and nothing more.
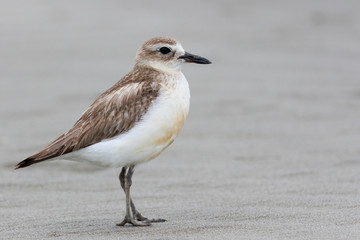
(271, 147)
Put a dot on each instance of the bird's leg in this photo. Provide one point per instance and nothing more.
(135, 213)
(125, 181)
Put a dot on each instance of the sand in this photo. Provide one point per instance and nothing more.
(271, 146)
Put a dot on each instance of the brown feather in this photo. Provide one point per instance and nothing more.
(116, 111)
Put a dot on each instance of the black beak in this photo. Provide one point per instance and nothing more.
(188, 57)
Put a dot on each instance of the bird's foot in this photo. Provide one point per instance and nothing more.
(134, 222)
(139, 220)
(140, 217)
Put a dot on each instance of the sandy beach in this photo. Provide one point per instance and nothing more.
(271, 147)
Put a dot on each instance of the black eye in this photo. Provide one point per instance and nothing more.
(165, 50)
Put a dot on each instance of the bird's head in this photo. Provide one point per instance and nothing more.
(166, 54)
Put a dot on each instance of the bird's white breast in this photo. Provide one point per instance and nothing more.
(150, 136)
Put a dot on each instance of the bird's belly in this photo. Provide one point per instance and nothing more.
(146, 140)
(161, 129)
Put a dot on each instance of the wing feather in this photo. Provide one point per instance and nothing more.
(116, 111)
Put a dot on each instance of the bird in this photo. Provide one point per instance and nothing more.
(133, 121)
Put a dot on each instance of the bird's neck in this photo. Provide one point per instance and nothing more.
(163, 68)
(168, 78)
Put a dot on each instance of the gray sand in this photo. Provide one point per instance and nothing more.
(271, 148)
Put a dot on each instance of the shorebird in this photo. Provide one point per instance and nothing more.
(133, 121)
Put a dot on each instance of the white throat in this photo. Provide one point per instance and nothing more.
(163, 67)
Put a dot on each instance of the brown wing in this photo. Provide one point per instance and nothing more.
(114, 112)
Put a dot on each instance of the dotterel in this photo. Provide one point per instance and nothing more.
(133, 121)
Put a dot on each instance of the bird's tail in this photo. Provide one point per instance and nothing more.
(27, 162)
